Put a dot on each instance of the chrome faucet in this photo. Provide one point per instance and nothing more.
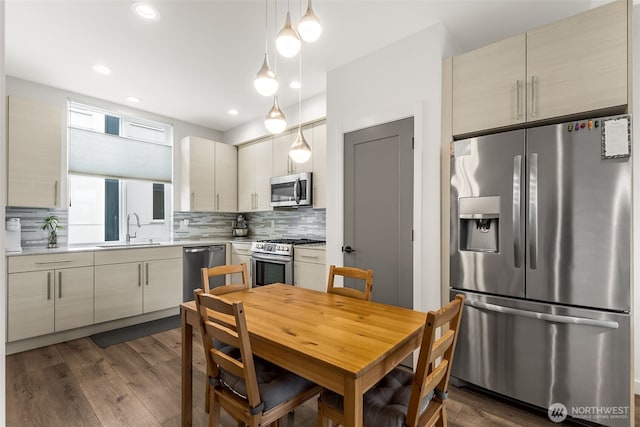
(129, 236)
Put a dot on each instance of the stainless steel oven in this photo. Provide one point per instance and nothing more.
(269, 269)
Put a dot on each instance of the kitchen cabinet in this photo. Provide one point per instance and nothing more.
(283, 164)
(34, 150)
(135, 281)
(309, 267)
(572, 66)
(255, 168)
(241, 253)
(319, 161)
(208, 175)
(49, 293)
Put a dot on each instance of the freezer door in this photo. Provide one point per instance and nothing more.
(487, 215)
(579, 219)
(544, 354)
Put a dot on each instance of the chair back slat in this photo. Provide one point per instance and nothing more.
(353, 273)
(224, 270)
(434, 363)
(225, 321)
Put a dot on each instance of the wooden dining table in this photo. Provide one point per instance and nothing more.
(343, 344)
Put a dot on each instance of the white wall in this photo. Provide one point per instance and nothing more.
(397, 81)
(313, 108)
(59, 97)
(3, 186)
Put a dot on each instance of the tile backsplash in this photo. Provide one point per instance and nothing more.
(31, 220)
(281, 223)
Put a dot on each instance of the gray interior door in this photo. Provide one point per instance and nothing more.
(378, 208)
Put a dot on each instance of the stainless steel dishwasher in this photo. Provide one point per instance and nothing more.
(194, 259)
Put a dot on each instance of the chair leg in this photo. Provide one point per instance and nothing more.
(214, 411)
(207, 391)
(443, 416)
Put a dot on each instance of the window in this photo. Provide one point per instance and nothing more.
(118, 166)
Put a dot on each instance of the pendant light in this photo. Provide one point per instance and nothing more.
(288, 40)
(265, 82)
(300, 150)
(309, 26)
(275, 122)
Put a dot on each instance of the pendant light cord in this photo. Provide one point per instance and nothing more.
(266, 27)
(275, 32)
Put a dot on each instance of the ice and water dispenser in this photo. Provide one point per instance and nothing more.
(479, 223)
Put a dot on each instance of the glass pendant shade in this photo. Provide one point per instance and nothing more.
(275, 122)
(288, 41)
(309, 27)
(300, 151)
(265, 82)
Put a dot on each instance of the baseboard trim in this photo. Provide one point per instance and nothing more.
(45, 340)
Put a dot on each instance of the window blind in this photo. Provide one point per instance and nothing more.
(93, 153)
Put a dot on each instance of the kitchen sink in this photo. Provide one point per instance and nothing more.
(128, 245)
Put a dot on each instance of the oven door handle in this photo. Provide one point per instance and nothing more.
(265, 257)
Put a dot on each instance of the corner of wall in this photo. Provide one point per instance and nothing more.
(3, 198)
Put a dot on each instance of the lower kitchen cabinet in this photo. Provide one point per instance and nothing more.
(309, 268)
(241, 253)
(153, 281)
(49, 293)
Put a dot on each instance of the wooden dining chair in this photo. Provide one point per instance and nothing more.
(252, 391)
(224, 270)
(353, 273)
(402, 398)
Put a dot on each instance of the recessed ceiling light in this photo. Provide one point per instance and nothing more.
(295, 84)
(133, 99)
(102, 69)
(233, 112)
(146, 11)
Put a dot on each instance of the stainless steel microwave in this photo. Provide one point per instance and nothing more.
(291, 190)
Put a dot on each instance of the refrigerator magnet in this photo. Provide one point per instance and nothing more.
(616, 138)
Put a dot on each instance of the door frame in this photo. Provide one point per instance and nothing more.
(423, 298)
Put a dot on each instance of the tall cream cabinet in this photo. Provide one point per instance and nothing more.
(254, 171)
(134, 281)
(319, 161)
(49, 293)
(209, 179)
(34, 155)
(572, 66)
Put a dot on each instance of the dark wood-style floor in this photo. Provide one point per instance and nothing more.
(137, 383)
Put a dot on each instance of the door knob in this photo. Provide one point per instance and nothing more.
(347, 249)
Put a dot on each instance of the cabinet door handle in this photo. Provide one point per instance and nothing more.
(48, 286)
(308, 256)
(534, 98)
(55, 193)
(193, 199)
(218, 201)
(59, 284)
(146, 278)
(52, 262)
(518, 99)
(139, 275)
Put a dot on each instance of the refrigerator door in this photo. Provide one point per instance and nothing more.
(544, 354)
(487, 215)
(578, 218)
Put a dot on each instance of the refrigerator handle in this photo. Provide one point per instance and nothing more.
(555, 318)
(533, 210)
(517, 234)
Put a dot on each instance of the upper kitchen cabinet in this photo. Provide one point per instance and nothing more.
(488, 86)
(573, 66)
(255, 168)
(34, 164)
(578, 64)
(282, 162)
(209, 175)
(319, 161)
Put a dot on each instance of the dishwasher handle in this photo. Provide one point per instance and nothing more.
(196, 250)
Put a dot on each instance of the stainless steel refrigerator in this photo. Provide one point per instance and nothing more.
(541, 249)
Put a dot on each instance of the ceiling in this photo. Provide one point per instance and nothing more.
(199, 60)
